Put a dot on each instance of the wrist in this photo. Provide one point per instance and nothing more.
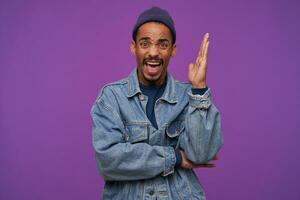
(178, 157)
(199, 85)
(199, 91)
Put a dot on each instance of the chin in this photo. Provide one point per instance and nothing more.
(152, 76)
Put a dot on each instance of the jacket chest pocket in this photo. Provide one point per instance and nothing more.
(136, 133)
(173, 131)
(175, 128)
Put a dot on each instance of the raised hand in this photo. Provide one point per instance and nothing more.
(197, 70)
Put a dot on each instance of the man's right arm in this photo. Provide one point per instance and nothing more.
(117, 158)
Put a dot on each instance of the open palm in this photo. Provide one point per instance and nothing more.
(197, 70)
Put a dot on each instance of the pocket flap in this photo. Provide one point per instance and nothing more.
(174, 129)
(136, 133)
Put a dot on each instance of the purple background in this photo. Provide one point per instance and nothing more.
(56, 55)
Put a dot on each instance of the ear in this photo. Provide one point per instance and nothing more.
(173, 50)
(132, 47)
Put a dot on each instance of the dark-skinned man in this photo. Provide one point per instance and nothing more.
(149, 130)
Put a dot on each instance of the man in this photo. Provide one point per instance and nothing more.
(149, 130)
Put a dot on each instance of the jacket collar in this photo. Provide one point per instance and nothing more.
(169, 94)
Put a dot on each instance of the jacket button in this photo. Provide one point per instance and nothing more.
(141, 97)
(151, 192)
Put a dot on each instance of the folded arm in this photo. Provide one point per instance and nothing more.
(202, 137)
(119, 159)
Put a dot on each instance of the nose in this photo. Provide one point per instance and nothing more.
(153, 51)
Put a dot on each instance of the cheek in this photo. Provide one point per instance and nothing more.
(140, 56)
(167, 57)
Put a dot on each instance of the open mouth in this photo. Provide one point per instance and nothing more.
(153, 66)
(153, 63)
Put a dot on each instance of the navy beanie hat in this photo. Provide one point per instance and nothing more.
(155, 14)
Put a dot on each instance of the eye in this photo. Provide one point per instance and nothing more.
(144, 44)
(164, 45)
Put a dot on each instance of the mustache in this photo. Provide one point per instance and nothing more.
(153, 59)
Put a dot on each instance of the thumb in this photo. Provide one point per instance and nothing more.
(191, 66)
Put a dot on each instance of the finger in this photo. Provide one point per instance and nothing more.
(206, 165)
(203, 60)
(203, 45)
(206, 50)
(205, 37)
(191, 66)
(198, 61)
(216, 157)
(202, 50)
(187, 165)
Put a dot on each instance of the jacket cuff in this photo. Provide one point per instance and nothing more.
(178, 157)
(199, 91)
(170, 160)
(200, 101)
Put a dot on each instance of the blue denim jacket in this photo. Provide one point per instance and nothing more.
(136, 160)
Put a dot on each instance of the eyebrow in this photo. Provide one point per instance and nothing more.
(163, 40)
(159, 40)
(144, 38)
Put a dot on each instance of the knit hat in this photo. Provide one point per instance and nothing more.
(155, 14)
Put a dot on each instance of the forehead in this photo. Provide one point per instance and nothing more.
(154, 31)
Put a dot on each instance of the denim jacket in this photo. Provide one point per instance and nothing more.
(136, 160)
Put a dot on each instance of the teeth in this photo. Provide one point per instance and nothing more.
(150, 63)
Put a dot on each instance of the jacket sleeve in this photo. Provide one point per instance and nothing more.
(202, 138)
(116, 157)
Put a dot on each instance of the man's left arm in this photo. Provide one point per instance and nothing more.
(202, 137)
